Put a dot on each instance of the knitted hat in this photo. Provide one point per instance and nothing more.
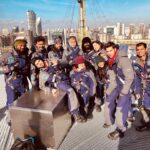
(58, 40)
(99, 59)
(35, 59)
(19, 41)
(79, 60)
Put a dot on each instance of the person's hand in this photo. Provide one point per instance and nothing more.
(137, 96)
(54, 91)
(54, 62)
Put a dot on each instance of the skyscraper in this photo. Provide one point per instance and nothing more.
(38, 27)
(31, 19)
(142, 29)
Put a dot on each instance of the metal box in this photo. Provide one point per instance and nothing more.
(42, 115)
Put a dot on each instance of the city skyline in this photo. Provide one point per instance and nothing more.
(64, 13)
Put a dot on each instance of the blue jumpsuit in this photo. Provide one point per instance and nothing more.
(54, 77)
(84, 83)
(15, 67)
(117, 101)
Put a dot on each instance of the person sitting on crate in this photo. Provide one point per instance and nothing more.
(52, 76)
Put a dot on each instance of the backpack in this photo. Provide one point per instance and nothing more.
(26, 144)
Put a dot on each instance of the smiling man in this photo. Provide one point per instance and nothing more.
(142, 84)
(118, 99)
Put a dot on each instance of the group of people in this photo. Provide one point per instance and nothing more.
(91, 75)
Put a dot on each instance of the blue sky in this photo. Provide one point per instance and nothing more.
(60, 12)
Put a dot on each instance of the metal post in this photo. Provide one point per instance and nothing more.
(82, 19)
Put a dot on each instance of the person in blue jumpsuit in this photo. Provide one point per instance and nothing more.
(117, 99)
(38, 50)
(14, 66)
(83, 80)
(90, 54)
(52, 76)
(72, 51)
(142, 84)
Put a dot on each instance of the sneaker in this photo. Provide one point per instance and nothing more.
(106, 125)
(143, 127)
(131, 119)
(78, 118)
(98, 108)
(115, 135)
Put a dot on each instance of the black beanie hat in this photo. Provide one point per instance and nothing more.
(35, 59)
(86, 40)
(99, 59)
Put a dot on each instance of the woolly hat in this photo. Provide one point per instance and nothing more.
(19, 41)
(86, 40)
(79, 60)
(35, 59)
(99, 59)
(57, 40)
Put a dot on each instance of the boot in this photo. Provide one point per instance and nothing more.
(106, 125)
(98, 108)
(131, 119)
(144, 127)
(116, 134)
(78, 118)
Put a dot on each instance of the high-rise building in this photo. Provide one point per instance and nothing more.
(49, 36)
(148, 33)
(38, 27)
(120, 30)
(142, 29)
(111, 30)
(29, 38)
(127, 32)
(15, 29)
(5, 31)
(31, 19)
(132, 29)
(123, 29)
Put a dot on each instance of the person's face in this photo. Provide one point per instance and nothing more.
(110, 51)
(81, 66)
(141, 51)
(39, 64)
(40, 45)
(72, 42)
(87, 46)
(101, 64)
(21, 47)
(58, 45)
(96, 46)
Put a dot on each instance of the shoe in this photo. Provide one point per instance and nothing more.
(106, 125)
(89, 116)
(115, 135)
(98, 108)
(78, 118)
(131, 119)
(144, 127)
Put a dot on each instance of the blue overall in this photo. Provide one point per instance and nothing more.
(33, 70)
(56, 78)
(70, 54)
(118, 101)
(142, 83)
(83, 83)
(15, 75)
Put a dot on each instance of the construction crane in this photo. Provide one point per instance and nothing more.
(82, 19)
